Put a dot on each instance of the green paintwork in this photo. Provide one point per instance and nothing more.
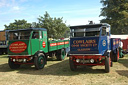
(26, 52)
(63, 54)
(43, 39)
(61, 46)
(66, 45)
(41, 61)
(34, 46)
(39, 44)
(57, 46)
(52, 48)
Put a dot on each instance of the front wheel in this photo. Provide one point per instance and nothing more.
(107, 64)
(73, 67)
(39, 61)
(12, 65)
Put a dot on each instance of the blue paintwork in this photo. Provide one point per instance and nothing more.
(93, 49)
(99, 49)
(104, 43)
(114, 44)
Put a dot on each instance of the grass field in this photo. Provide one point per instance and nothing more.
(59, 73)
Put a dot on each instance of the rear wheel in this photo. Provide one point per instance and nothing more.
(12, 65)
(107, 64)
(111, 64)
(112, 56)
(117, 56)
(39, 61)
(0, 52)
(73, 67)
(61, 54)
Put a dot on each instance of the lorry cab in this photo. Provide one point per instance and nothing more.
(90, 45)
(27, 41)
(27, 46)
(90, 39)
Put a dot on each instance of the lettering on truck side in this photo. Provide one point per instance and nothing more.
(84, 43)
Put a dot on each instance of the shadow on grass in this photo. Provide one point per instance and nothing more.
(5, 68)
(124, 62)
(123, 72)
(60, 69)
(3, 56)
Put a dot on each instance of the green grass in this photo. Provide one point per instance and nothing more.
(59, 73)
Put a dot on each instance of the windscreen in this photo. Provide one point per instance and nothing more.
(85, 32)
(19, 35)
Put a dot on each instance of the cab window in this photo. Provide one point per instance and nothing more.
(35, 35)
(104, 31)
(41, 36)
(19, 35)
(85, 32)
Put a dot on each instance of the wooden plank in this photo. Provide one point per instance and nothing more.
(2, 36)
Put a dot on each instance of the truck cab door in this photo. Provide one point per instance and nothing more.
(108, 37)
(103, 46)
(43, 41)
(34, 42)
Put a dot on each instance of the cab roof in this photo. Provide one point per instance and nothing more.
(30, 29)
(89, 26)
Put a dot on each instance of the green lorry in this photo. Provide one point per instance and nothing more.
(31, 46)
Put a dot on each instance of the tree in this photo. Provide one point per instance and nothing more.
(18, 24)
(116, 14)
(55, 26)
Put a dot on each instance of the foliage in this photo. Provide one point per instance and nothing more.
(116, 14)
(55, 26)
(18, 24)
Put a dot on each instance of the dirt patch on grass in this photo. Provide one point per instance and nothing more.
(59, 73)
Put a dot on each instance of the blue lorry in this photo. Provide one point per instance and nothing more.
(92, 45)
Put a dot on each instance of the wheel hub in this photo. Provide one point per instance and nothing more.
(40, 60)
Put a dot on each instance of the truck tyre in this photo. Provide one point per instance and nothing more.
(117, 56)
(111, 64)
(107, 64)
(12, 65)
(61, 54)
(39, 61)
(73, 67)
(112, 56)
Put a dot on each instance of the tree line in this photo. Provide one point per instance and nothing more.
(115, 13)
(56, 28)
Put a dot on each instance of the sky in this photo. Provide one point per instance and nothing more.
(74, 12)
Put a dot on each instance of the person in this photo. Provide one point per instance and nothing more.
(35, 35)
(120, 49)
(121, 44)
